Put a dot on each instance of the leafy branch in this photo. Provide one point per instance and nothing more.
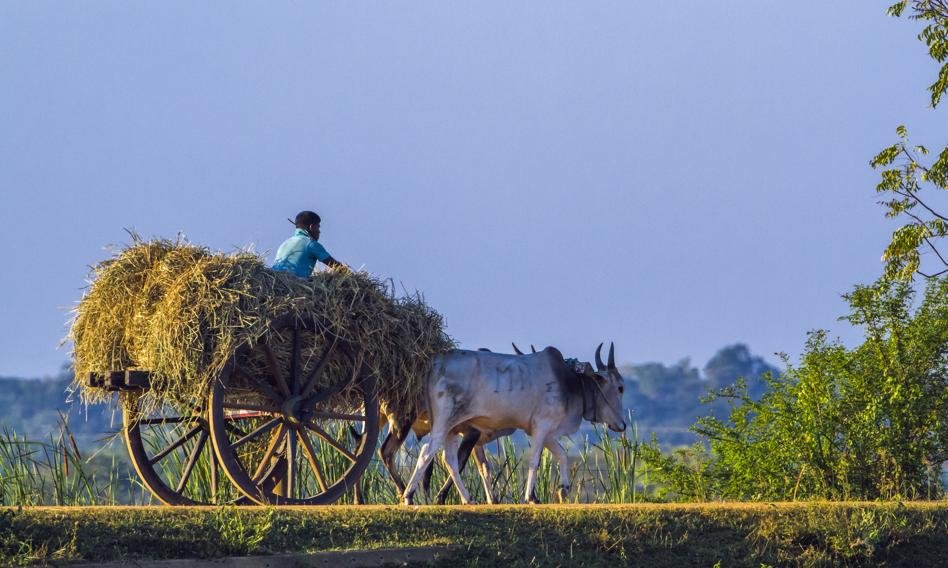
(910, 183)
(905, 178)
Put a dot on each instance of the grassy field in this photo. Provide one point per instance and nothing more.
(778, 534)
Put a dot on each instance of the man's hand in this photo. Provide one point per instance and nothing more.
(333, 263)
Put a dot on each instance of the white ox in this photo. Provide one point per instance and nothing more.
(538, 393)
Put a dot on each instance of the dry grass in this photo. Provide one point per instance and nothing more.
(184, 313)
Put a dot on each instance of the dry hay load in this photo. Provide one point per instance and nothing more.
(185, 314)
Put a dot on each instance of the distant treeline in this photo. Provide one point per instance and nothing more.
(33, 409)
(664, 399)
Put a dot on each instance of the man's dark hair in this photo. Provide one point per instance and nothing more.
(306, 218)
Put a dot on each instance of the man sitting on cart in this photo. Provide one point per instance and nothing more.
(299, 253)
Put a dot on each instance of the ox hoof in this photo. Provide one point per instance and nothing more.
(562, 493)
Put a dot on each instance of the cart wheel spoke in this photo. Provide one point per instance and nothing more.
(235, 430)
(290, 463)
(337, 387)
(331, 441)
(264, 464)
(175, 445)
(328, 415)
(310, 380)
(313, 462)
(192, 460)
(272, 409)
(259, 386)
(262, 429)
(275, 370)
(295, 362)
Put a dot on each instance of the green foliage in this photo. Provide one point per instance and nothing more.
(934, 14)
(913, 188)
(905, 183)
(863, 423)
(686, 474)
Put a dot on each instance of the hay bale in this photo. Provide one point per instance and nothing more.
(184, 312)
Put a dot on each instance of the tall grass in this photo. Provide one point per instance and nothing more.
(54, 472)
(604, 468)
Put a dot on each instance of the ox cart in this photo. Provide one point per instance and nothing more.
(241, 384)
(264, 433)
(273, 428)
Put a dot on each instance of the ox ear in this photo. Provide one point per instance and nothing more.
(603, 381)
(584, 368)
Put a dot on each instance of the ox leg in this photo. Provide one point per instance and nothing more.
(451, 461)
(357, 498)
(425, 455)
(393, 442)
(483, 469)
(562, 462)
(536, 449)
(470, 438)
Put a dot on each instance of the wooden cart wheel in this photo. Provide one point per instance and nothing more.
(172, 454)
(277, 424)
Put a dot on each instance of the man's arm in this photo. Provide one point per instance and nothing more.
(323, 256)
(331, 262)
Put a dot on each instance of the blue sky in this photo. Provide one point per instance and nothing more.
(672, 176)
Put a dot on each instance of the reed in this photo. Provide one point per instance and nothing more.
(53, 472)
(604, 468)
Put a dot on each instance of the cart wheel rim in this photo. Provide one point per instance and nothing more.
(172, 453)
(259, 476)
(289, 446)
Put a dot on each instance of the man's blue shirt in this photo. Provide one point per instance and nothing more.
(299, 254)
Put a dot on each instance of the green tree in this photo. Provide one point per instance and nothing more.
(911, 185)
(865, 423)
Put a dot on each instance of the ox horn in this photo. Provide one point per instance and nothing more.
(532, 348)
(612, 355)
(599, 365)
(516, 350)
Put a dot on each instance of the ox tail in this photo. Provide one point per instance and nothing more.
(429, 408)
